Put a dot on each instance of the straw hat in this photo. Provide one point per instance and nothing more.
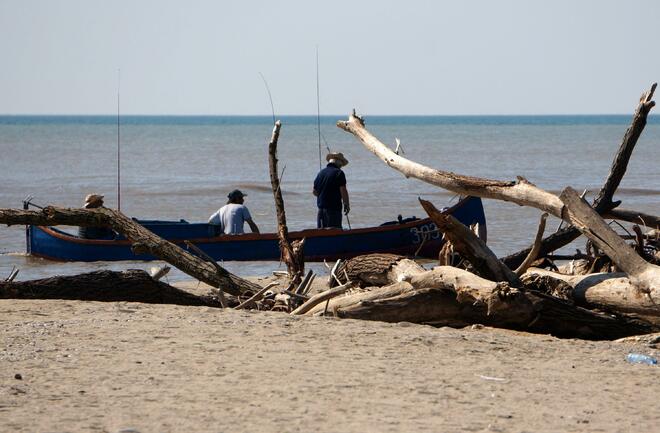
(339, 157)
(93, 200)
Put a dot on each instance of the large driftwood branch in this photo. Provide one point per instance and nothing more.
(105, 286)
(603, 202)
(470, 247)
(520, 191)
(643, 274)
(612, 292)
(292, 254)
(448, 296)
(144, 242)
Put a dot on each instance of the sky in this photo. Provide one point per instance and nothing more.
(380, 57)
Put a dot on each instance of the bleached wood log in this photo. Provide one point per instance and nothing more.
(603, 203)
(641, 273)
(447, 296)
(612, 292)
(521, 192)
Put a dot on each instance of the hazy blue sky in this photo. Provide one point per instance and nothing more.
(381, 57)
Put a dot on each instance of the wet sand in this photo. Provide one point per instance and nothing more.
(70, 366)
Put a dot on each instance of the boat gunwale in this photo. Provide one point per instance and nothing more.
(307, 233)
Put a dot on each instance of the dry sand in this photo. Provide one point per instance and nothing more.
(130, 367)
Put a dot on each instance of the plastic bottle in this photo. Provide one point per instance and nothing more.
(638, 358)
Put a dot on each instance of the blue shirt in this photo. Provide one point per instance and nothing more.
(327, 184)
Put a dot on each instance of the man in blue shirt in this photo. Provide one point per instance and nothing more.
(330, 191)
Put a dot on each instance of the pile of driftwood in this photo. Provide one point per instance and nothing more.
(611, 291)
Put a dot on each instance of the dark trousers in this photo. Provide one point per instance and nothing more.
(328, 218)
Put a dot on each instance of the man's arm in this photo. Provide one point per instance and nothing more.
(252, 225)
(344, 198)
(315, 192)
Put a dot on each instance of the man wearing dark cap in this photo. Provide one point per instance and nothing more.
(330, 191)
(230, 217)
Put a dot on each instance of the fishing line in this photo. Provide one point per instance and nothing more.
(272, 107)
(118, 144)
(318, 104)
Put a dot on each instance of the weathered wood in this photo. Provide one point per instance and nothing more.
(611, 292)
(105, 286)
(536, 247)
(520, 191)
(448, 296)
(292, 253)
(643, 274)
(143, 241)
(375, 270)
(603, 202)
(321, 297)
(470, 247)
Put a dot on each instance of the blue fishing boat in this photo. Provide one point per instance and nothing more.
(410, 236)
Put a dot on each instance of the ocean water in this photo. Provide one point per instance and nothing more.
(183, 167)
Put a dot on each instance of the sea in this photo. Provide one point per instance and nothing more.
(182, 167)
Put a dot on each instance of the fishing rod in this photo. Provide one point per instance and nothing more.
(272, 107)
(118, 142)
(318, 104)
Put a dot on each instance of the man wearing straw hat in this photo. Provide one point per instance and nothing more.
(330, 191)
(93, 201)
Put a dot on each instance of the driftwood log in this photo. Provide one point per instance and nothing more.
(143, 242)
(375, 270)
(521, 192)
(470, 247)
(105, 286)
(448, 296)
(609, 292)
(291, 252)
(603, 203)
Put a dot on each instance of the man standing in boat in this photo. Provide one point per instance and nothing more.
(233, 215)
(330, 191)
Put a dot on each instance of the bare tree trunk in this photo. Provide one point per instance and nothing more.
(470, 247)
(603, 202)
(448, 296)
(642, 274)
(105, 286)
(292, 253)
(144, 242)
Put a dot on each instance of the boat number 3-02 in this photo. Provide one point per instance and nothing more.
(425, 233)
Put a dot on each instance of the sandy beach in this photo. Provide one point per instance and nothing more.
(70, 366)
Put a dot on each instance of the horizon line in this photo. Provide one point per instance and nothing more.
(306, 115)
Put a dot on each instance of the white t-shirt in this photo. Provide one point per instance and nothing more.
(230, 218)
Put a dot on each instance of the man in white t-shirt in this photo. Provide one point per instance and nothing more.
(231, 216)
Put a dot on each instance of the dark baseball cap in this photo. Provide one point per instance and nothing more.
(236, 194)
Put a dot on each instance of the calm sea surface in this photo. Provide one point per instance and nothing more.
(183, 167)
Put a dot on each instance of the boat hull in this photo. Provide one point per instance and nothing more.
(414, 238)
